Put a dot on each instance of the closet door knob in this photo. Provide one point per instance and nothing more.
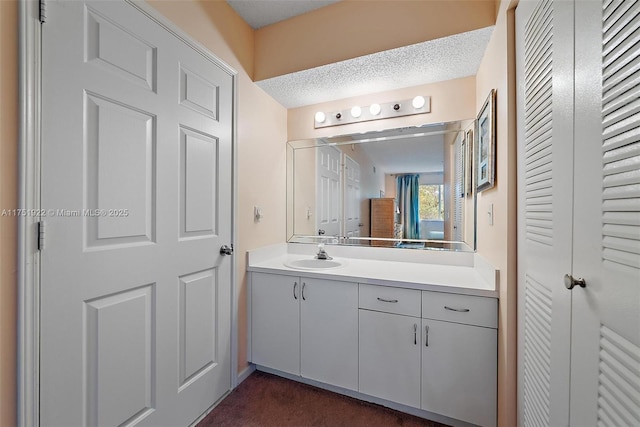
(570, 282)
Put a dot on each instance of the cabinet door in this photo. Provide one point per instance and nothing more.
(459, 371)
(275, 322)
(329, 332)
(389, 360)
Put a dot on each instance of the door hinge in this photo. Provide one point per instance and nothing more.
(42, 231)
(43, 11)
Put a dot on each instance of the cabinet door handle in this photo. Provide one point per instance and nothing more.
(426, 336)
(304, 284)
(459, 310)
(415, 334)
(295, 286)
(387, 300)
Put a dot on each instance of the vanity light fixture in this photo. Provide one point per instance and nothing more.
(418, 102)
(356, 114)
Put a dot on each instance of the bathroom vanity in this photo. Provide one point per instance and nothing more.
(412, 330)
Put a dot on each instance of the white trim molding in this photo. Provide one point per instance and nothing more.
(29, 198)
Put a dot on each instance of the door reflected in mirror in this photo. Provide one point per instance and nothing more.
(404, 188)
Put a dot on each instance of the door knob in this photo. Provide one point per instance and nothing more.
(570, 282)
(226, 250)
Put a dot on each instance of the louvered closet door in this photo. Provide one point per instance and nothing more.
(458, 186)
(545, 170)
(605, 366)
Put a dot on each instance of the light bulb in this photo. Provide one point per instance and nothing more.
(320, 117)
(356, 111)
(418, 102)
(375, 109)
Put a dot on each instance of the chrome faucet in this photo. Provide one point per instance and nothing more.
(322, 254)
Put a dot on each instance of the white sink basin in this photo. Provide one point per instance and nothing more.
(313, 264)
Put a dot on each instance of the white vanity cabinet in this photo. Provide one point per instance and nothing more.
(416, 337)
(430, 350)
(390, 338)
(306, 327)
(459, 357)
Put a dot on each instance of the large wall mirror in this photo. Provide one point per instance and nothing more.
(405, 188)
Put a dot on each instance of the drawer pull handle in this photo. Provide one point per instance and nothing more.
(459, 310)
(415, 334)
(426, 336)
(304, 284)
(295, 285)
(387, 300)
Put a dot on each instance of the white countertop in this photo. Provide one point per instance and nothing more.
(459, 279)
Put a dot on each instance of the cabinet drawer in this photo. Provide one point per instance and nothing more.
(470, 310)
(390, 300)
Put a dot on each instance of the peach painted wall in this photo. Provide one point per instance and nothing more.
(8, 200)
(497, 242)
(353, 28)
(450, 100)
(261, 135)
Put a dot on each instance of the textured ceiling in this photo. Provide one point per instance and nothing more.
(428, 62)
(260, 13)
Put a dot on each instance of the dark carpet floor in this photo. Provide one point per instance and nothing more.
(265, 400)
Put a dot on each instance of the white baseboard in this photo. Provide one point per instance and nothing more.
(245, 373)
(241, 377)
(211, 408)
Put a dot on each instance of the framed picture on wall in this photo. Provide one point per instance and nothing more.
(468, 164)
(485, 155)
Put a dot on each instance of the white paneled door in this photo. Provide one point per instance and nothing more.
(351, 196)
(136, 186)
(328, 191)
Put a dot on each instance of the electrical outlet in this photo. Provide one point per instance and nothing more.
(490, 213)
